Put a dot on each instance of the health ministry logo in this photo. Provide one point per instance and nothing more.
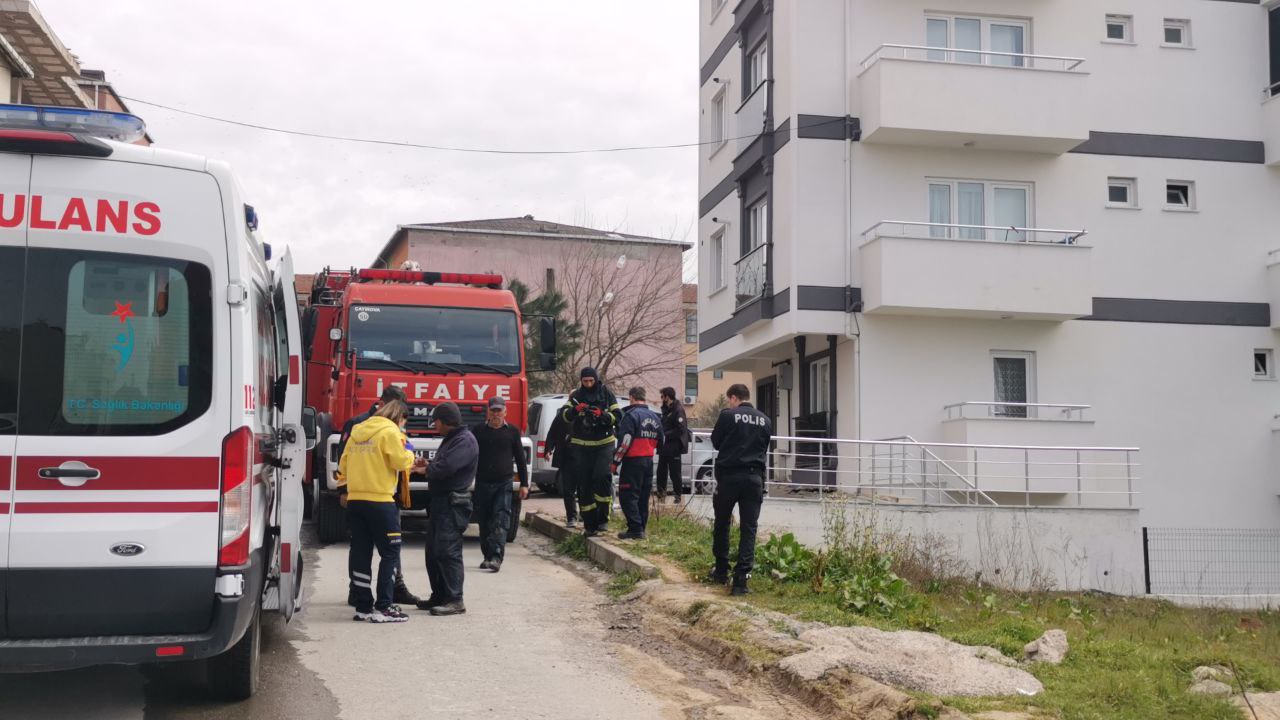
(124, 341)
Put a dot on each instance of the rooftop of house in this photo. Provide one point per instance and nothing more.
(522, 226)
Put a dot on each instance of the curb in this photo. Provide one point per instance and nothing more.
(610, 556)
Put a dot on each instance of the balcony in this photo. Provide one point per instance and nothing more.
(750, 120)
(751, 276)
(1030, 424)
(1271, 124)
(977, 271)
(943, 97)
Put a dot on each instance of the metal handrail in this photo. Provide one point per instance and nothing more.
(845, 441)
(1067, 409)
(1071, 236)
(1068, 63)
(749, 253)
(972, 485)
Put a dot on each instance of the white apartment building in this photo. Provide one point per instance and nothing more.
(1062, 208)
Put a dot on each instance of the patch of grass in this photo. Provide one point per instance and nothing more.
(575, 546)
(622, 584)
(1130, 658)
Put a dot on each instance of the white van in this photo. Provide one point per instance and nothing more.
(542, 412)
(151, 439)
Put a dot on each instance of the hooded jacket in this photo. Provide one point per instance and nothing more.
(585, 428)
(675, 431)
(373, 459)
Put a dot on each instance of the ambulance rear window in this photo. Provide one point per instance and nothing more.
(114, 344)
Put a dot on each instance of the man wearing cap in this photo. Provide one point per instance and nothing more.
(500, 451)
(449, 479)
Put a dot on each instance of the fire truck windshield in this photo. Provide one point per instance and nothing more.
(435, 340)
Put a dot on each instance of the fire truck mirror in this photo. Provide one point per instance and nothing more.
(547, 336)
(546, 361)
(309, 426)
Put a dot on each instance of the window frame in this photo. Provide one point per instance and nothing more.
(989, 188)
(1029, 383)
(756, 231)
(691, 320)
(1131, 187)
(719, 280)
(820, 384)
(719, 118)
(984, 39)
(691, 371)
(1183, 25)
(1268, 359)
(755, 75)
(1126, 24)
(717, 6)
(1191, 204)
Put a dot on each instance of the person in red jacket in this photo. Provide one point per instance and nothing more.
(639, 437)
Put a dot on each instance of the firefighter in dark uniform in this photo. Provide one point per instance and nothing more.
(639, 436)
(391, 392)
(449, 479)
(592, 413)
(741, 438)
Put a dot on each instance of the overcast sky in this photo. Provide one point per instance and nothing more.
(520, 75)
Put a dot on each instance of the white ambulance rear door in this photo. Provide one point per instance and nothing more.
(15, 176)
(293, 441)
(125, 399)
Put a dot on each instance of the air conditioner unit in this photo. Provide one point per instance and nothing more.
(690, 399)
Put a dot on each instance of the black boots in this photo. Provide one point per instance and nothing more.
(402, 596)
(719, 576)
(740, 585)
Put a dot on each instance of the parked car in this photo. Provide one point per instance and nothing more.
(542, 411)
(698, 464)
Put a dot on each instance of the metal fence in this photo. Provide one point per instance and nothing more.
(903, 470)
(1211, 561)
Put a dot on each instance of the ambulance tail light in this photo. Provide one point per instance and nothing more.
(237, 497)
(431, 278)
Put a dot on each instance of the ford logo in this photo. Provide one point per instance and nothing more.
(127, 549)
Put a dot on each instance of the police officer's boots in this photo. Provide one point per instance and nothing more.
(402, 595)
(740, 585)
(719, 575)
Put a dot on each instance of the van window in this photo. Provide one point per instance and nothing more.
(11, 267)
(535, 415)
(114, 344)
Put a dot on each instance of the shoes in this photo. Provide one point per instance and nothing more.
(628, 535)
(571, 523)
(402, 596)
(453, 608)
(495, 564)
(676, 500)
(740, 585)
(719, 576)
(428, 603)
(590, 532)
(486, 565)
(391, 614)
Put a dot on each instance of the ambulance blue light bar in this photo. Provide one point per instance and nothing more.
(120, 127)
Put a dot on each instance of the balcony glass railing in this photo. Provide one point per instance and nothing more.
(962, 56)
(752, 271)
(989, 233)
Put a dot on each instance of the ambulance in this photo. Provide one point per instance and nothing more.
(152, 440)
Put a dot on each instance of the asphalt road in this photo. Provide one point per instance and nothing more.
(532, 645)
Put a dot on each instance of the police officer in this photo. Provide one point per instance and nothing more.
(391, 392)
(449, 479)
(592, 413)
(639, 436)
(741, 438)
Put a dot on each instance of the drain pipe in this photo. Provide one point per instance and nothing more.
(852, 329)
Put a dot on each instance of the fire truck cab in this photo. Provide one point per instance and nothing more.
(441, 337)
(151, 435)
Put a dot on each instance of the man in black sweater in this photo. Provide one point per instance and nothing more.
(500, 451)
(449, 478)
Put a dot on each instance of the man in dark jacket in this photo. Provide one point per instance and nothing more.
(500, 450)
(391, 392)
(557, 446)
(592, 413)
(639, 436)
(675, 443)
(741, 438)
(449, 479)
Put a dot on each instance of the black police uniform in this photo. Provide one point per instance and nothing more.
(741, 438)
(591, 443)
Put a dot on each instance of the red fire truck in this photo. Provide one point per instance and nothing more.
(442, 337)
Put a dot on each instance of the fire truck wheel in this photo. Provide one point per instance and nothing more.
(233, 675)
(331, 520)
(514, 528)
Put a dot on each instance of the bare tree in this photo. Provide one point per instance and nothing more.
(630, 314)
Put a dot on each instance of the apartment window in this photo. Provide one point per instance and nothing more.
(971, 203)
(1180, 195)
(820, 385)
(1014, 382)
(757, 226)
(1263, 365)
(717, 374)
(715, 7)
(691, 381)
(1177, 33)
(757, 67)
(718, 118)
(1122, 192)
(1007, 36)
(691, 327)
(717, 261)
(1120, 28)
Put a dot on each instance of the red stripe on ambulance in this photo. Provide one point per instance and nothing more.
(125, 473)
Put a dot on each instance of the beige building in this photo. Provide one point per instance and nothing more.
(702, 389)
(37, 69)
(608, 279)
